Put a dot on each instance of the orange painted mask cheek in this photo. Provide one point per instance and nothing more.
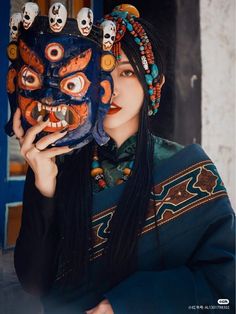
(107, 91)
(11, 75)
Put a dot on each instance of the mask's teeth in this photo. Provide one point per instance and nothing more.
(64, 123)
(54, 109)
(59, 124)
(54, 124)
(39, 118)
(64, 110)
(49, 108)
(43, 107)
(39, 106)
(58, 108)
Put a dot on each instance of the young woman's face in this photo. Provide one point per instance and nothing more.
(127, 98)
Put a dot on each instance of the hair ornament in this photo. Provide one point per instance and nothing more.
(125, 16)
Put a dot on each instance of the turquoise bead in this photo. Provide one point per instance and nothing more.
(129, 27)
(149, 79)
(141, 48)
(155, 111)
(131, 164)
(95, 164)
(154, 71)
(121, 14)
(137, 40)
(150, 91)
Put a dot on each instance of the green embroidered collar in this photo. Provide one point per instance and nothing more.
(125, 152)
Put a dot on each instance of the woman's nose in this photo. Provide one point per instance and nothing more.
(115, 93)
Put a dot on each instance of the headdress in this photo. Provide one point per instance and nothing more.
(125, 17)
(59, 67)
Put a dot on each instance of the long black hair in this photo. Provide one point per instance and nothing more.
(74, 194)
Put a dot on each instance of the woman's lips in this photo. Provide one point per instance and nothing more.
(114, 108)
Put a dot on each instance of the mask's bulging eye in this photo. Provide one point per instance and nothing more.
(75, 85)
(29, 79)
(54, 52)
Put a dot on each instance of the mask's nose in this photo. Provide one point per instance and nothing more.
(53, 96)
(47, 100)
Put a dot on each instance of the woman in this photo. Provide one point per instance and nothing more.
(139, 225)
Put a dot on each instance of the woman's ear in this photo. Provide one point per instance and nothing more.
(162, 80)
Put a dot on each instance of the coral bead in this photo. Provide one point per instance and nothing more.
(127, 171)
(96, 171)
(119, 181)
(102, 183)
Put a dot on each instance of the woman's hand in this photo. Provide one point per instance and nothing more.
(103, 307)
(40, 159)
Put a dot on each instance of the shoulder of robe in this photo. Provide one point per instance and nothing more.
(164, 149)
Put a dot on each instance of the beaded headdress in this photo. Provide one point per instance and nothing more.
(125, 17)
(59, 68)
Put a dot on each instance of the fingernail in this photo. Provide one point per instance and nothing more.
(45, 118)
(64, 130)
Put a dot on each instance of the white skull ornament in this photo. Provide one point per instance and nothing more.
(15, 20)
(85, 21)
(30, 11)
(109, 34)
(57, 17)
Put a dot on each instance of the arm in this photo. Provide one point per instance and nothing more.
(207, 275)
(36, 247)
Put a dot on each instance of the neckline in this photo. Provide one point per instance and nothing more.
(189, 155)
(111, 152)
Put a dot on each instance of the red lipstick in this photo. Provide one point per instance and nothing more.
(114, 108)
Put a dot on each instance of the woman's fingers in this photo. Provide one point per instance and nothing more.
(31, 133)
(17, 127)
(55, 151)
(50, 139)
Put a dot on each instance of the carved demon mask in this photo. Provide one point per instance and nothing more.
(63, 74)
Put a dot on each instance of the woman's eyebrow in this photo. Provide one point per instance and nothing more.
(123, 62)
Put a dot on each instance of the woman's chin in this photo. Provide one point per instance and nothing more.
(112, 122)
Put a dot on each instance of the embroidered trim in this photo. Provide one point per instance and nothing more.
(169, 200)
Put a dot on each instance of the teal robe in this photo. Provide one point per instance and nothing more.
(191, 267)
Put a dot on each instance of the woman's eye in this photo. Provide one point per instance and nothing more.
(76, 85)
(127, 73)
(29, 79)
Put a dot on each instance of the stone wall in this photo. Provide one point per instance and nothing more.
(217, 19)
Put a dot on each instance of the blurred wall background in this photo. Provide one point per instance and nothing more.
(218, 24)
